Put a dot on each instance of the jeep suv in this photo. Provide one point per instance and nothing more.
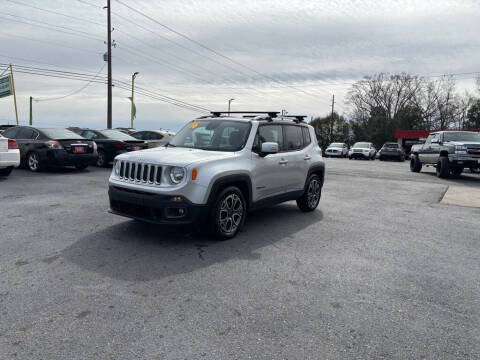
(218, 167)
(449, 151)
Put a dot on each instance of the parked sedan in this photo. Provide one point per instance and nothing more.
(111, 143)
(9, 155)
(40, 147)
(391, 150)
(153, 138)
(362, 150)
(337, 150)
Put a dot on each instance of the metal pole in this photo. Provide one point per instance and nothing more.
(229, 102)
(12, 86)
(333, 102)
(134, 75)
(109, 59)
(31, 112)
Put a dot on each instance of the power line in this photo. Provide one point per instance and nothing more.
(56, 12)
(210, 49)
(76, 91)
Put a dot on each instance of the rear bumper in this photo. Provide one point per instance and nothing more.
(154, 208)
(360, 155)
(10, 158)
(391, 155)
(60, 157)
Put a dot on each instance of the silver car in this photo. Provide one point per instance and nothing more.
(218, 167)
(154, 138)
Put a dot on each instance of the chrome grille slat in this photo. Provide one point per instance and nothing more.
(140, 172)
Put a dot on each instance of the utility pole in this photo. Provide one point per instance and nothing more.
(109, 59)
(229, 102)
(333, 103)
(132, 109)
(31, 112)
(12, 86)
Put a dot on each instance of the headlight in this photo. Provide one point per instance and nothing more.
(116, 166)
(177, 174)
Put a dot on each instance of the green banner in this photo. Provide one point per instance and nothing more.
(5, 87)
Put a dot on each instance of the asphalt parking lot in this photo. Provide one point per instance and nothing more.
(381, 270)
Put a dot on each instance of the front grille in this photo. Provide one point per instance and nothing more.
(140, 172)
(473, 150)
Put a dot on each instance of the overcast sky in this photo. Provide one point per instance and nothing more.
(317, 47)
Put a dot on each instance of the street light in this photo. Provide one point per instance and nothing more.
(133, 110)
(229, 102)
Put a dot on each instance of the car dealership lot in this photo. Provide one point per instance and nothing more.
(381, 269)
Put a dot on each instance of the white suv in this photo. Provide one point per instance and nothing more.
(9, 155)
(218, 167)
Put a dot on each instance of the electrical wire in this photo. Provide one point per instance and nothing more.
(76, 91)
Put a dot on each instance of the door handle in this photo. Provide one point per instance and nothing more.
(307, 157)
(283, 162)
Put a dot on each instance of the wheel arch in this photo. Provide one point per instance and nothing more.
(317, 169)
(241, 181)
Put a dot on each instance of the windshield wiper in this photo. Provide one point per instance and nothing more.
(169, 145)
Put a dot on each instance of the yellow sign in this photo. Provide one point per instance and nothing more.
(194, 124)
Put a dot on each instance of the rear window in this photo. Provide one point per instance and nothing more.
(392, 146)
(117, 135)
(60, 134)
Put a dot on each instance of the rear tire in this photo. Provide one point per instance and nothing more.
(81, 166)
(6, 171)
(33, 162)
(415, 164)
(228, 213)
(443, 167)
(312, 194)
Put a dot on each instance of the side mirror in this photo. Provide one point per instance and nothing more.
(435, 141)
(269, 148)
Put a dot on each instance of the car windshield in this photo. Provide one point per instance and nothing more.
(116, 135)
(61, 134)
(361, 145)
(336, 145)
(392, 146)
(215, 135)
(461, 136)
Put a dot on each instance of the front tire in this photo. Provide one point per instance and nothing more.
(101, 159)
(415, 164)
(475, 170)
(443, 167)
(228, 213)
(6, 171)
(34, 163)
(311, 197)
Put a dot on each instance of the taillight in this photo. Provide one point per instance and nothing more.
(53, 144)
(120, 145)
(12, 144)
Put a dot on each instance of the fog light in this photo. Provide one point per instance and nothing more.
(175, 212)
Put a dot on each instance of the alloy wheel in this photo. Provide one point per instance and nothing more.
(313, 193)
(230, 214)
(33, 162)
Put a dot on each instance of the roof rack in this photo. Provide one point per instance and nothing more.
(272, 114)
(296, 118)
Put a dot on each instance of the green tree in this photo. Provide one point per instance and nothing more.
(331, 128)
(473, 116)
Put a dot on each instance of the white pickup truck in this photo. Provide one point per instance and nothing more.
(9, 155)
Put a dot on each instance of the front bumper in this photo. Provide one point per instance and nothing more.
(390, 155)
(154, 208)
(333, 153)
(60, 157)
(10, 158)
(360, 155)
(465, 160)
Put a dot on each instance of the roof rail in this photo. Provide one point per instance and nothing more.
(272, 114)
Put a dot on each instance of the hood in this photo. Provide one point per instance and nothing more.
(334, 148)
(360, 148)
(173, 156)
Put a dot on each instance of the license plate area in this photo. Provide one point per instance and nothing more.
(78, 149)
(135, 148)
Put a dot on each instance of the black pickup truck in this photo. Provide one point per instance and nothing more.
(449, 151)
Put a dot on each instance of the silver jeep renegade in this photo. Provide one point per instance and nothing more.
(217, 168)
